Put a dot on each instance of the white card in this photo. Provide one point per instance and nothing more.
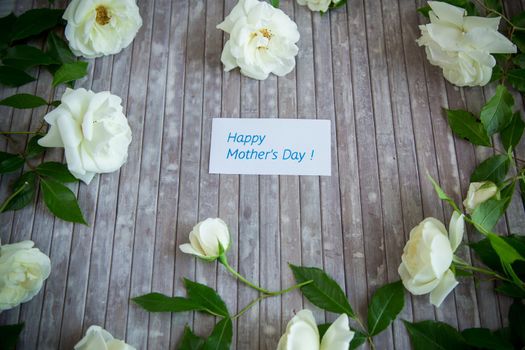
(270, 146)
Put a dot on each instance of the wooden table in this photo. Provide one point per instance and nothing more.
(358, 67)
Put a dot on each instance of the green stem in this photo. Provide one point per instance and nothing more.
(18, 132)
(505, 18)
(271, 294)
(481, 270)
(6, 202)
(252, 303)
(223, 260)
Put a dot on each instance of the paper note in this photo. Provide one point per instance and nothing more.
(270, 146)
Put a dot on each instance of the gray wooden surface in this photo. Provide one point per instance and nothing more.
(360, 67)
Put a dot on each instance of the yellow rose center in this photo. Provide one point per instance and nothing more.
(266, 33)
(103, 16)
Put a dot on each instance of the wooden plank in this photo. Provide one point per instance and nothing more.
(190, 157)
(330, 201)
(269, 236)
(130, 74)
(249, 229)
(227, 287)
(289, 202)
(145, 227)
(209, 183)
(310, 210)
(347, 154)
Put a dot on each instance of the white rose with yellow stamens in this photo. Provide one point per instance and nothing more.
(262, 40)
(101, 27)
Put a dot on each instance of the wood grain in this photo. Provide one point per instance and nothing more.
(358, 67)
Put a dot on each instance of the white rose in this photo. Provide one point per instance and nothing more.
(427, 257)
(479, 192)
(92, 129)
(302, 334)
(316, 5)
(101, 27)
(262, 40)
(206, 237)
(97, 338)
(462, 45)
(23, 270)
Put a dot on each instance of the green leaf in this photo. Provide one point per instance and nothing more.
(206, 297)
(56, 171)
(157, 302)
(33, 149)
(190, 341)
(517, 323)
(6, 28)
(492, 169)
(522, 190)
(23, 101)
(518, 38)
(511, 290)
(488, 213)
(275, 3)
(487, 255)
(519, 60)
(334, 5)
(24, 57)
(516, 78)
(10, 162)
(323, 292)
(70, 72)
(497, 73)
(358, 340)
(221, 336)
(433, 335)
(505, 251)
(9, 335)
(13, 77)
(511, 135)
(497, 113)
(466, 125)
(483, 338)
(425, 10)
(494, 5)
(35, 21)
(59, 49)
(24, 191)
(519, 19)
(441, 194)
(61, 201)
(387, 302)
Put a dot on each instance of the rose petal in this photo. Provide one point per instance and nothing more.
(338, 336)
(188, 249)
(456, 229)
(446, 285)
(448, 13)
